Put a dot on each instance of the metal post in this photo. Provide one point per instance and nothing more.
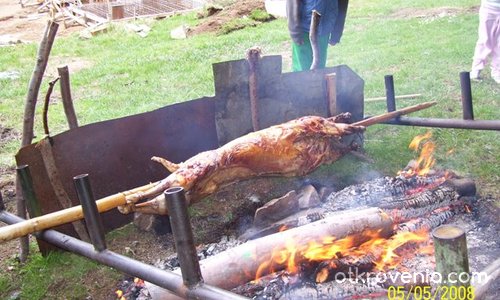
(92, 216)
(2, 205)
(166, 279)
(183, 236)
(24, 175)
(390, 93)
(468, 111)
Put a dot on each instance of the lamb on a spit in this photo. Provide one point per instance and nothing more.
(293, 148)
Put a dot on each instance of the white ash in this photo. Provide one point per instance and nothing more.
(203, 251)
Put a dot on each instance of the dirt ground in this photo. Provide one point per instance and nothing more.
(25, 23)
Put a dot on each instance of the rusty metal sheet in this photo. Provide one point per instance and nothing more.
(281, 96)
(116, 153)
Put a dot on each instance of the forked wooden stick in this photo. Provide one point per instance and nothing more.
(105, 204)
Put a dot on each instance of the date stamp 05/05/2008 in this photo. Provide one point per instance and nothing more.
(442, 292)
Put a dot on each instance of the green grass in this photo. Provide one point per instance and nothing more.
(129, 75)
(57, 276)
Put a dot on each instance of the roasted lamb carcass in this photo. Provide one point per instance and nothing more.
(293, 148)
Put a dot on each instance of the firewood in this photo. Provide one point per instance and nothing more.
(220, 270)
(428, 197)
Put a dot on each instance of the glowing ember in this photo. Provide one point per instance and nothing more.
(119, 294)
(389, 252)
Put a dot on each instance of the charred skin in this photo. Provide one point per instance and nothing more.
(289, 149)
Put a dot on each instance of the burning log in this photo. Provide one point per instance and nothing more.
(426, 198)
(259, 257)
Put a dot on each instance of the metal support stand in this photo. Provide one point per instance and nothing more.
(467, 122)
(2, 205)
(165, 279)
(92, 216)
(24, 175)
(390, 93)
(467, 109)
(183, 236)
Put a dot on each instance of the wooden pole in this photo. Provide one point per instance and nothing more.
(331, 93)
(36, 80)
(313, 38)
(492, 272)
(253, 58)
(29, 115)
(394, 114)
(450, 251)
(409, 96)
(69, 215)
(45, 119)
(69, 109)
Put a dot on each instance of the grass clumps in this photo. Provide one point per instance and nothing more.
(237, 24)
(260, 15)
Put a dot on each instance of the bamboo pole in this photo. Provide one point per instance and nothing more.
(69, 215)
(394, 114)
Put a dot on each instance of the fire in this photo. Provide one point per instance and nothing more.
(426, 160)
(119, 295)
(387, 254)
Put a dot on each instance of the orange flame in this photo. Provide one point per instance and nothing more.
(330, 248)
(119, 294)
(426, 160)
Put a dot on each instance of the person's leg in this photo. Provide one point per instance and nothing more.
(483, 44)
(495, 53)
(302, 55)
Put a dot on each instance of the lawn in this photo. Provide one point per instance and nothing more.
(421, 43)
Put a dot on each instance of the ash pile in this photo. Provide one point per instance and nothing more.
(314, 243)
